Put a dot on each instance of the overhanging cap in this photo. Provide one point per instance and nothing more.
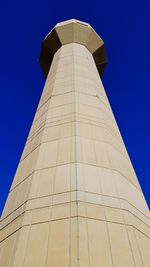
(72, 31)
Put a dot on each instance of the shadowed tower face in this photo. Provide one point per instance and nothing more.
(75, 200)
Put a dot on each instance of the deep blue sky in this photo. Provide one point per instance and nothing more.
(125, 28)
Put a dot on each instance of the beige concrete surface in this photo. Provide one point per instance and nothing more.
(75, 199)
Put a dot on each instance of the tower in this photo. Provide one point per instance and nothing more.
(75, 200)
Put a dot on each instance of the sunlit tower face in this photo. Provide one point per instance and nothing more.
(75, 200)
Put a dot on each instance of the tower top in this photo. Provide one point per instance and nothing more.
(72, 31)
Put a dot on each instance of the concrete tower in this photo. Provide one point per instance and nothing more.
(75, 200)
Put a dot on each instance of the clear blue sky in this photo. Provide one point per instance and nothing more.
(125, 28)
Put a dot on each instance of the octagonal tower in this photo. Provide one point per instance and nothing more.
(75, 199)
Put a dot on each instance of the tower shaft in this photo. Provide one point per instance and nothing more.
(75, 200)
